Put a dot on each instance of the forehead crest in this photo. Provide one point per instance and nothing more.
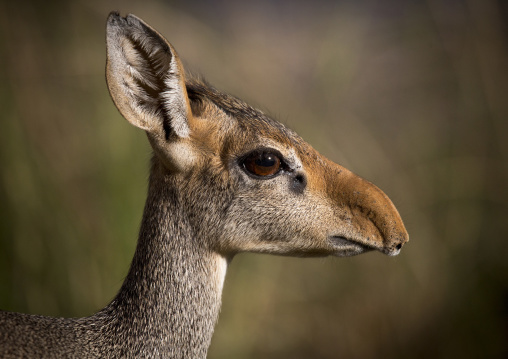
(251, 121)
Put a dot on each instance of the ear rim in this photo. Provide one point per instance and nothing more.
(173, 99)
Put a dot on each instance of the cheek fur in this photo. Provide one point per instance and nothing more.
(265, 214)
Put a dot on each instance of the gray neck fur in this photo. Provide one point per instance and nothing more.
(169, 280)
(168, 304)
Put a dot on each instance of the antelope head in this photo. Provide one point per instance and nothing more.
(244, 182)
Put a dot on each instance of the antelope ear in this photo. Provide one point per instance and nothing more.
(145, 78)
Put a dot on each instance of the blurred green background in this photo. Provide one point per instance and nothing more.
(412, 95)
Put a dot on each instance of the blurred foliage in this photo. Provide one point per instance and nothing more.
(409, 94)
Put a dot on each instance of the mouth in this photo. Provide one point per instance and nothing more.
(347, 247)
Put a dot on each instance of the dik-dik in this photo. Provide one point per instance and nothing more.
(224, 179)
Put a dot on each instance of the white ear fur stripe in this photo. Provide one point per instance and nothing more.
(146, 78)
(174, 101)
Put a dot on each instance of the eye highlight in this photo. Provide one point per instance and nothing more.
(264, 163)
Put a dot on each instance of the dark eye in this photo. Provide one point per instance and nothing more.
(262, 163)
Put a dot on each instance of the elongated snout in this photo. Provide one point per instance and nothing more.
(366, 217)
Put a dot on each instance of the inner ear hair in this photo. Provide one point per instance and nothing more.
(146, 78)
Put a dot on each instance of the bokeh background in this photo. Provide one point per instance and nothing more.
(412, 95)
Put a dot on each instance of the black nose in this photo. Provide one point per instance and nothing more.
(399, 246)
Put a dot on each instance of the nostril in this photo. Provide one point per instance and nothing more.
(399, 246)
